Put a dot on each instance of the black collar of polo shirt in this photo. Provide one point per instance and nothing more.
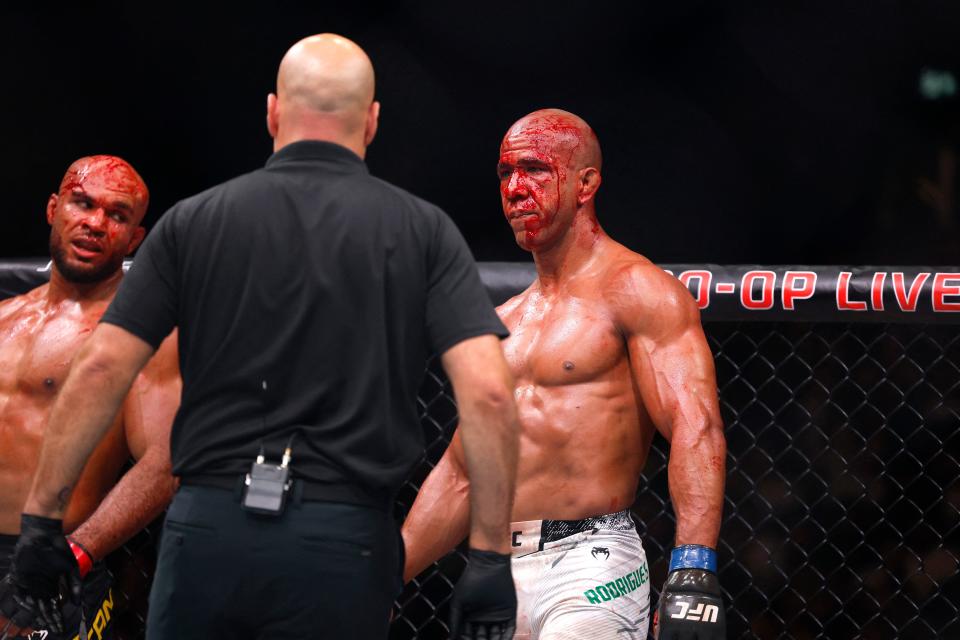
(306, 150)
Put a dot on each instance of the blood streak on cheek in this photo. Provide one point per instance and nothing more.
(544, 217)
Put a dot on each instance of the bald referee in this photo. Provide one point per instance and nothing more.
(308, 295)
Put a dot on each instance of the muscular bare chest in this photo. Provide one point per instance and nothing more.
(36, 349)
(561, 340)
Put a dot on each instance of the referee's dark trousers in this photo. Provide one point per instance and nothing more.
(319, 570)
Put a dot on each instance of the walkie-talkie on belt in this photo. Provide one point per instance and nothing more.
(265, 487)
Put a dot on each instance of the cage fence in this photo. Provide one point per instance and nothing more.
(842, 501)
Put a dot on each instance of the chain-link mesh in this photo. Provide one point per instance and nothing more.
(842, 498)
(132, 567)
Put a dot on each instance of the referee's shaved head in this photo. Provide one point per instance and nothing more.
(325, 89)
(327, 73)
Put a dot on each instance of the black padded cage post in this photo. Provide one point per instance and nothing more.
(840, 392)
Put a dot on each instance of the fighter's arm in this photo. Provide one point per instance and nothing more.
(483, 388)
(99, 379)
(440, 516)
(484, 603)
(673, 369)
(484, 449)
(146, 489)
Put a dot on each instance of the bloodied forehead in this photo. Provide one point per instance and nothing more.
(556, 135)
(108, 173)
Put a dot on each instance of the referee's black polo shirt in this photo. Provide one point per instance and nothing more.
(308, 295)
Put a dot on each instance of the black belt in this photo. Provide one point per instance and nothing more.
(553, 530)
(301, 491)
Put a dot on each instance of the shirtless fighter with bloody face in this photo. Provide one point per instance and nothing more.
(95, 222)
(605, 348)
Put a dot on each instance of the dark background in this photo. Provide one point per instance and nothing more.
(787, 132)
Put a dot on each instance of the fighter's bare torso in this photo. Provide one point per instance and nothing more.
(605, 349)
(39, 337)
(584, 431)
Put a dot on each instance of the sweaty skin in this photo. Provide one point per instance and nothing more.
(95, 222)
(605, 348)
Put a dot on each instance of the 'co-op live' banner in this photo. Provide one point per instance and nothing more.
(726, 293)
(884, 294)
(793, 293)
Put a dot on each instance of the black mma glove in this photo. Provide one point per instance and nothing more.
(691, 605)
(42, 564)
(17, 617)
(484, 602)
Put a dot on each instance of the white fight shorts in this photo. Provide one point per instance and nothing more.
(580, 579)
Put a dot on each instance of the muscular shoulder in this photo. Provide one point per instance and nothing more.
(12, 307)
(646, 299)
(382, 188)
(513, 305)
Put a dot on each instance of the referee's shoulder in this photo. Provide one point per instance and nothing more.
(413, 201)
(202, 199)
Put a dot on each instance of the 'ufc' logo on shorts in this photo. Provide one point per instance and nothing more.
(700, 613)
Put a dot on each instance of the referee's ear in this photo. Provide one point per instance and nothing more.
(138, 235)
(272, 118)
(373, 119)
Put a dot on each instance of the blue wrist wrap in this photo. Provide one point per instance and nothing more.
(693, 556)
